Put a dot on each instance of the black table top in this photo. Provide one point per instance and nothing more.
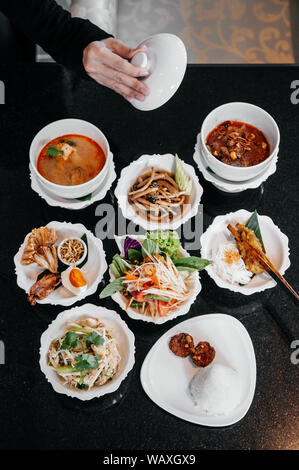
(34, 416)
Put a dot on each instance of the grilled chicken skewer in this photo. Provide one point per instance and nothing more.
(262, 258)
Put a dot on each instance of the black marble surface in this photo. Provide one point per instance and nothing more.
(32, 414)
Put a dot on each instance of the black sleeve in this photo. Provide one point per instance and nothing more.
(49, 25)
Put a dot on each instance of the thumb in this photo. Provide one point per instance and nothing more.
(124, 51)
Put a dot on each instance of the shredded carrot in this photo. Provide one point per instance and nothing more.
(130, 277)
(129, 303)
(155, 280)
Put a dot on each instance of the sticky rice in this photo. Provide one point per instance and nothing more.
(229, 265)
(216, 389)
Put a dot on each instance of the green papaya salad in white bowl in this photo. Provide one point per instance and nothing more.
(153, 278)
(159, 192)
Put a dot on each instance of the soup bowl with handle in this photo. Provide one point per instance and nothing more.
(65, 127)
(249, 114)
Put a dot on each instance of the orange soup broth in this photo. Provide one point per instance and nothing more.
(83, 164)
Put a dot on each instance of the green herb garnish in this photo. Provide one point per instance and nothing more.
(134, 256)
(86, 362)
(85, 198)
(53, 152)
(191, 263)
(69, 142)
(157, 297)
(149, 247)
(70, 341)
(82, 386)
(112, 288)
(93, 338)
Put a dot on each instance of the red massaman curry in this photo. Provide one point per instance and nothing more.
(238, 144)
(71, 159)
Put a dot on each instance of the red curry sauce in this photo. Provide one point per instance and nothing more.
(238, 144)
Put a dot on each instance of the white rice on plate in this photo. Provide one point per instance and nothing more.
(216, 389)
(229, 265)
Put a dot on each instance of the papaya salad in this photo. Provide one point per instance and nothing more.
(154, 276)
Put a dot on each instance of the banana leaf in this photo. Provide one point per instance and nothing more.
(253, 224)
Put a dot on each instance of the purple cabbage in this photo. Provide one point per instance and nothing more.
(129, 244)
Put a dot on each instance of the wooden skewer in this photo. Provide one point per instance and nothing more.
(262, 258)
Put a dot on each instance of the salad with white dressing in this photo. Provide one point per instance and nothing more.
(86, 355)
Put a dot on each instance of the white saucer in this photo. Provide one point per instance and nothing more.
(230, 186)
(74, 204)
(166, 60)
(165, 377)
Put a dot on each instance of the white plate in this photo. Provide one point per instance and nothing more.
(230, 186)
(166, 162)
(73, 204)
(185, 307)
(166, 60)
(93, 270)
(165, 377)
(276, 246)
(118, 329)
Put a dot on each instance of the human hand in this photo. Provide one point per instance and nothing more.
(107, 63)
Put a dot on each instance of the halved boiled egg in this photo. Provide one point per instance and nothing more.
(73, 280)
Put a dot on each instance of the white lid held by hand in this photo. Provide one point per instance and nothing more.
(166, 59)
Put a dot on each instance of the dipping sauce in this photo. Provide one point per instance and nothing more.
(71, 159)
(238, 144)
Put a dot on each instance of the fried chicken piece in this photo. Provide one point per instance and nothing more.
(39, 237)
(47, 258)
(250, 260)
(181, 344)
(43, 287)
(203, 354)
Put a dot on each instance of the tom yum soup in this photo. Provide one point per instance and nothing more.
(70, 160)
(238, 144)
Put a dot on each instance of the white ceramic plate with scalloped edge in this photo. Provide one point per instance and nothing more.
(118, 330)
(93, 269)
(276, 246)
(164, 162)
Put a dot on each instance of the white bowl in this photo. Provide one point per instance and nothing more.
(276, 246)
(80, 261)
(166, 60)
(63, 127)
(195, 285)
(230, 186)
(165, 162)
(119, 330)
(73, 204)
(250, 114)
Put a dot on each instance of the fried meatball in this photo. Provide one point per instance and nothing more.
(203, 354)
(182, 344)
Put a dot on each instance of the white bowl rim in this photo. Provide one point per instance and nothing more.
(82, 185)
(82, 257)
(242, 168)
